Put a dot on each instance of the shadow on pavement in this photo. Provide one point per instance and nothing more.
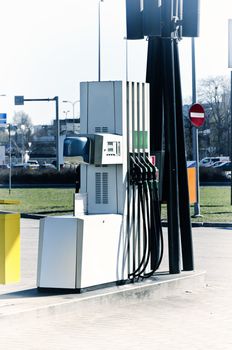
(36, 293)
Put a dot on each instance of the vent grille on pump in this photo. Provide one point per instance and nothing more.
(102, 188)
(101, 129)
(105, 188)
(98, 187)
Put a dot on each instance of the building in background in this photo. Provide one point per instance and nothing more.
(38, 143)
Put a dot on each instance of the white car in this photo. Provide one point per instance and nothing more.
(210, 161)
(33, 164)
(219, 164)
(46, 165)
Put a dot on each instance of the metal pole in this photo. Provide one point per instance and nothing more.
(126, 59)
(193, 72)
(197, 212)
(184, 207)
(56, 99)
(22, 151)
(73, 118)
(170, 118)
(169, 101)
(10, 161)
(231, 131)
(230, 66)
(99, 40)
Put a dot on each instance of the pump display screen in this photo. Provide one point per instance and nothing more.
(113, 147)
(78, 148)
(110, 147)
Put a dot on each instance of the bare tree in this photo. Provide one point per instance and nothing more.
(214, 94)
(23, 123)
(22, 118)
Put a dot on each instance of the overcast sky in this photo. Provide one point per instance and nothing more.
(49, 46)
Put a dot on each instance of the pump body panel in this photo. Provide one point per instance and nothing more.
(77, 253)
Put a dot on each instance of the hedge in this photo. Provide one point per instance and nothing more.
(45, 176)
(208, 174)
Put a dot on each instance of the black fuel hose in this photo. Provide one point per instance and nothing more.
(137, 172)
(159, 244)
(144, 178)
(156, 235)
(146, 216)
(155, 213)
(146, 254)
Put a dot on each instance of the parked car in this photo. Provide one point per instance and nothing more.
(33, 164)
(225, 166)
(218, 164)
(46, 165)
(210, 161)
(4, 166)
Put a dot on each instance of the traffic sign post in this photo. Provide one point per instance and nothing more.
(19, 100)
(230, 66)
(197, 118)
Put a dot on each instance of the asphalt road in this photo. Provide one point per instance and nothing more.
(191, 320)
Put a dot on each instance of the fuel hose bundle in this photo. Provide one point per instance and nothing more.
(143, 179)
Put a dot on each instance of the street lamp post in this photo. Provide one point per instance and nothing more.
(73, 110)
(230, 66)
(66, 113)
(197, 208)
(99, 40)
(23, 127)
(3, 95)
(231, 137)
(126, 58)
(29, 148)
(10, 165)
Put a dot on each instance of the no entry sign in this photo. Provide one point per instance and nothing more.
(197, 115)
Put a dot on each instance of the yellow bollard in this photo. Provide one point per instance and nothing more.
(9, 248)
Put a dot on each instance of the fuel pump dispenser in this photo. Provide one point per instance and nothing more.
(118, 236)
(115, 234)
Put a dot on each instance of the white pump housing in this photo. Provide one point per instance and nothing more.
(88, 250)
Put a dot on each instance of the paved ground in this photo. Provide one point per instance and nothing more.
(192, 320)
